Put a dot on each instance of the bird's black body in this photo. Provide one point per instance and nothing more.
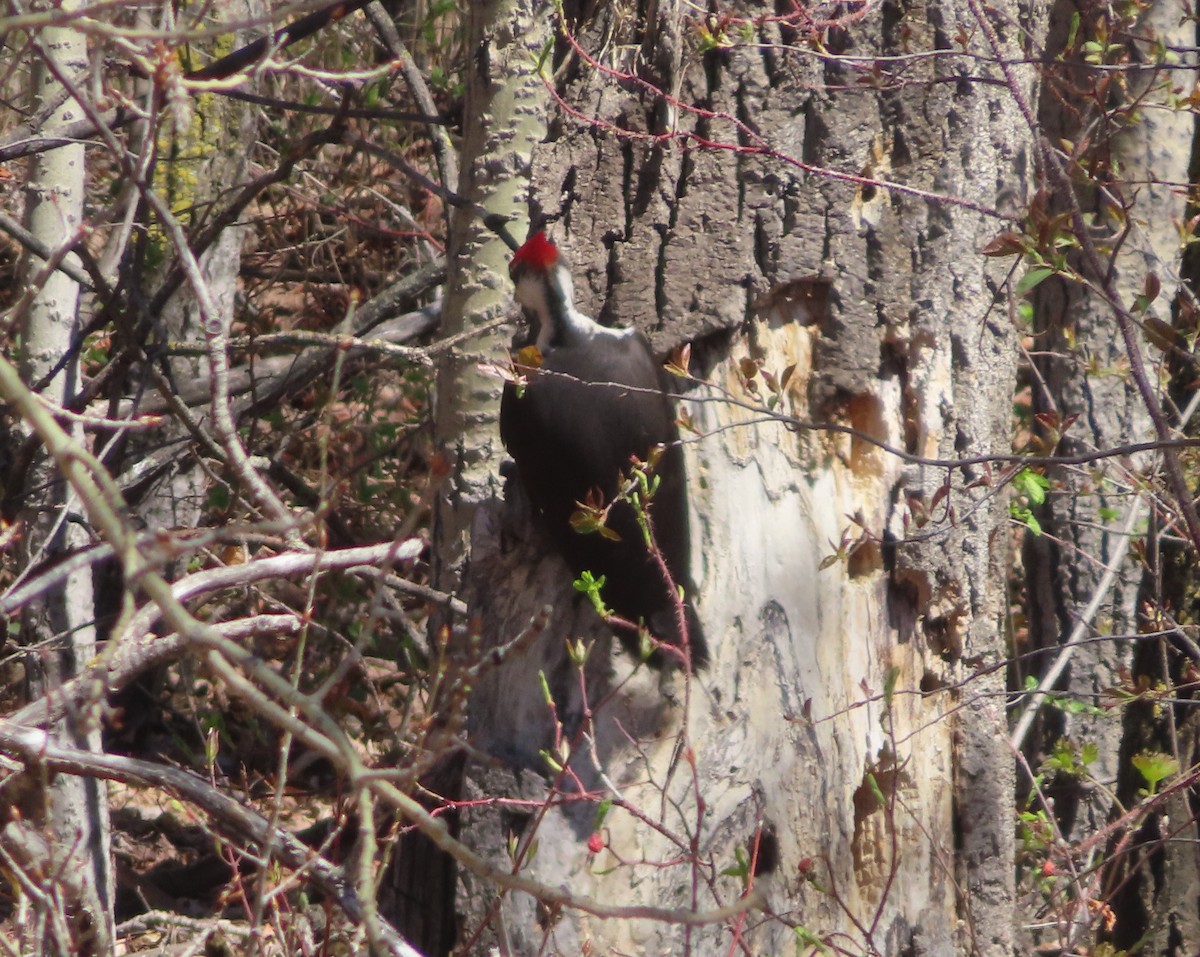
(599, 399)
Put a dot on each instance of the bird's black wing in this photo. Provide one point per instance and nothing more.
(581, 418)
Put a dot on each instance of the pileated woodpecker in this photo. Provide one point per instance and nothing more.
(597, 400)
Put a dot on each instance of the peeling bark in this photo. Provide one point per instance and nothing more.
(870, 296)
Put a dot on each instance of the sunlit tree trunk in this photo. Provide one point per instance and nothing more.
(851, 727)
(502, 123)
(1132, 560)
(74, 910)
(1082, 578)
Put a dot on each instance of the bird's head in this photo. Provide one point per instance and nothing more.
(537, 255)
(543, 287)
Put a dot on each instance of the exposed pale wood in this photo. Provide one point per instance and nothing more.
(789, 727)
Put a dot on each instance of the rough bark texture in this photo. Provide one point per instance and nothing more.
(1096, 512)
(1080, 373)
(1156, 879)
(880, 303)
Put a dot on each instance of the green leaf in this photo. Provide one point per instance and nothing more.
(1155, 767)
(1021, 514)
(741, 868)
(588, 584)
(1033, 278)
(806, 938)
(875, 790)
(1073, 32)
(544, 56)
(889, 685)
(829, 560)
(1032, 485)
(602, 812)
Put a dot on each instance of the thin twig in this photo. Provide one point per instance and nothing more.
(121, 662)
(1035, 698)
(231, 817)
(1126, 323)
(44, 252)
(414, 79)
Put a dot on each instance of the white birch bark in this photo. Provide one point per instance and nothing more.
(60, 629)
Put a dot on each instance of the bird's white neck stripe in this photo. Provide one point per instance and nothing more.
(550, 299)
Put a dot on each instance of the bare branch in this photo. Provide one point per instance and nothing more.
(230, 817)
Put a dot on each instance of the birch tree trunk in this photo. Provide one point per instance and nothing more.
(503, 121)
(850, 732)
(74, 910)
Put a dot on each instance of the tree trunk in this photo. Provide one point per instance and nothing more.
(1155, 879)
(502, 122)
(74, 911)
(825, 737)
(1092, 580)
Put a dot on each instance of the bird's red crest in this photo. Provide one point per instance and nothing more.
(537, 253)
